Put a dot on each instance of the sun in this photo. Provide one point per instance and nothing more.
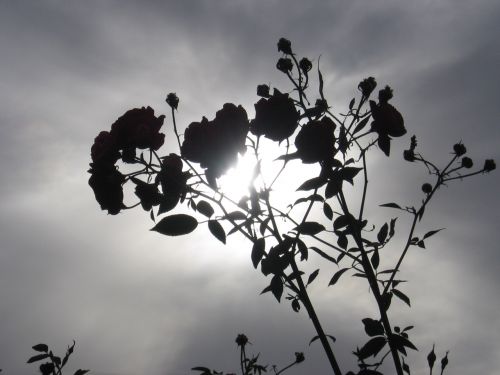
(236, 182)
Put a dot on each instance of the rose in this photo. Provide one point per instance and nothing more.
(138, 128)
(275, 118)
(104, 149)
(173, 182)
(315, 141)
(215, 144)
(107, 181)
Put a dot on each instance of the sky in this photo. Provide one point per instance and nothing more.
(136, 302)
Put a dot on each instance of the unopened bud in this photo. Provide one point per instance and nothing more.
(285, 46)
(489, 165)
(427, 188)
(285, 65)
(305, 65)
(459, 149)
(409, 155)
(467, 162)
(172, 100)
(385, 95)
(299, 357)
(367, 86)
(263, 90)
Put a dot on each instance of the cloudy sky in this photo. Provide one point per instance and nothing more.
(139, 303)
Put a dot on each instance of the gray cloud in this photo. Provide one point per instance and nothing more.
(138, 303)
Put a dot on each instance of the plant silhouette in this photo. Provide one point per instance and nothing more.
(336, 146)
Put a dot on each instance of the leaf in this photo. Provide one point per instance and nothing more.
(361, 124)
(403, 297)
(310, 227)
(320, 78)
(313, 183)
(342, 241)
(235, 215)
(37, 358)
(203, 369)
(295, 305)
(382, 233)
(41, 348)
(327, 210)
(392, 227)
(384, 142)
(337, 275)
(304, 254)
(217, 230)
(431, 233)
(333, 187)
(263, 225)
(372, 347)
(421, 244)
(205, 208)
(375, 258)
(373, 327)
(351, 103)
(391, 205)
(258, 251)
(340, 222)
(176, 225)
(81, 372)
(400, 342)
(348, 174)
(312, 276)
(276, 287)
(312, 197)
(317, 338)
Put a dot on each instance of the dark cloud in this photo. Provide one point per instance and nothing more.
(138, 303)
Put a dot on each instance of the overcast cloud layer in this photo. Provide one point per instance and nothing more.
(139, 303)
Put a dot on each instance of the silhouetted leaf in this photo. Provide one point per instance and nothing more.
(41, 348)
(320, 79)
(317, 338)
(312, 197)
(403, 297)
(310, 227)
(216, 229)
(421, 244)
(327, 210)
(263, 225)
(392, 227)
(342, 241)
(391, 205)
(235, 215)
(205, 208)
(68, 353)
(361, 125)
(372, 347)
(312, 276)
(400, 342)
(203, 369)
(176, 225)
(152, 215)
(384, 142)
(313, 183)
(304, 254)
(337, 275)
(373, 327)
(386, 299)
(81, 372)
(295, 305)
(333, 187)
(431, 233)
(375, 258)
(351, 103)
(340, 222)
(37, 358)
(258, 251)
(348, 173)
(277, 287)
(382, 233)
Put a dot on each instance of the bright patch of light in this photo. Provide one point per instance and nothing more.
(236, 182)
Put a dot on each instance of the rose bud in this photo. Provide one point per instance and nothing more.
(385, 95)
(299, 357)
(241, 340)
(285, 46)
(489, 165)
(409, 155)
(172, 100)
(305, 65)
(427, 188)
(367, 86)
(285, 65)
(459, 149)
(467, 162)
(263, 91)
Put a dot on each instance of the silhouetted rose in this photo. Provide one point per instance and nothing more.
(385, 94)
(215, 144)
(285, 65)
(106, 181)
(263, 90)
(147, 193)
(467, 162)
(275, 118)
(367, 86)
(315, 141)
(387, 122)
(305, 65)
(285, 46)
(138, 128)
(172, 100)
(489, 165)
(104, 149)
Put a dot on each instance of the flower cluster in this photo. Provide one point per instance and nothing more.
(215, 144)
(138, 128)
